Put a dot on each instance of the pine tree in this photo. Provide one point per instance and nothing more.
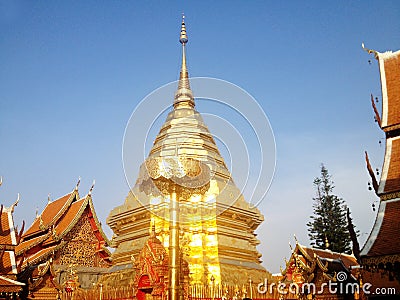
(328, 226)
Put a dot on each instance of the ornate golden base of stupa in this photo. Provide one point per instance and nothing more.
(218, 245)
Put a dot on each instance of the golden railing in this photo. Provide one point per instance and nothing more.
(195, 292)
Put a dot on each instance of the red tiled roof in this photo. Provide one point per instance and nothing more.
(6, 263)
(392, 80)
(50, 214)
(38, 256)
(69, 219)
(28, 244)
(392, 182)
(348, 260)
(8, 285)
(5, 237)
(388, 238)
(74, 212)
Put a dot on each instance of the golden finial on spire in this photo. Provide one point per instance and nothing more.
(184, 96)
(183, 38)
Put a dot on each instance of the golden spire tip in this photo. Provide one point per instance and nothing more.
(183, 37)
(184, 94)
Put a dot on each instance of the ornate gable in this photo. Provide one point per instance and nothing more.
(81, 247)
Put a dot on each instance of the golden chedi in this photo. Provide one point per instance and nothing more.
(216, 224)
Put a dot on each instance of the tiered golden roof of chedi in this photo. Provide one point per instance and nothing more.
(380, 256)
(9, 238)
(217, 226)
(66, 237)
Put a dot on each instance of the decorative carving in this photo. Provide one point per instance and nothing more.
(81, 247)
(376, 53)
(151, 269)
(390, 196)
(375, 261)
(41, 223)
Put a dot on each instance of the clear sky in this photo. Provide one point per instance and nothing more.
(73, 71)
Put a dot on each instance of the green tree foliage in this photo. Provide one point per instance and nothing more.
(327, 228)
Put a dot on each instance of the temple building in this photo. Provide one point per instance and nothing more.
(64, 248)
(216, 224)
(310, 270)
(10, 287)
(380, 256)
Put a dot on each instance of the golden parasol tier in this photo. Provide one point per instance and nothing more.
(187, 176)
(179, 178)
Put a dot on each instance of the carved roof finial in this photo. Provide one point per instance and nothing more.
(92, 187)
(1, 180)
(15, 204)
(376, 53)
(41, 223)
(77, 184)
(48, 199)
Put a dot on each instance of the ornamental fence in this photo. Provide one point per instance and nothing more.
(195, 292)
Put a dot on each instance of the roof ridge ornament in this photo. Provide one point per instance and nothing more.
(41, 223)
(183, 95)
(14, 204)
(376, 53)
(92, 187)
(77, 184)
(295, 238)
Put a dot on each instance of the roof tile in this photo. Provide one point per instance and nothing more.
(388, 239)
(49, 214)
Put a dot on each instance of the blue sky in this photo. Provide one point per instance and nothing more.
(73, 71)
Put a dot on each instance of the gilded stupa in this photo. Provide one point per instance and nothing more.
(216, 224)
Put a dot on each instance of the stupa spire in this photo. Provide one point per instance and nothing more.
(183, 96)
